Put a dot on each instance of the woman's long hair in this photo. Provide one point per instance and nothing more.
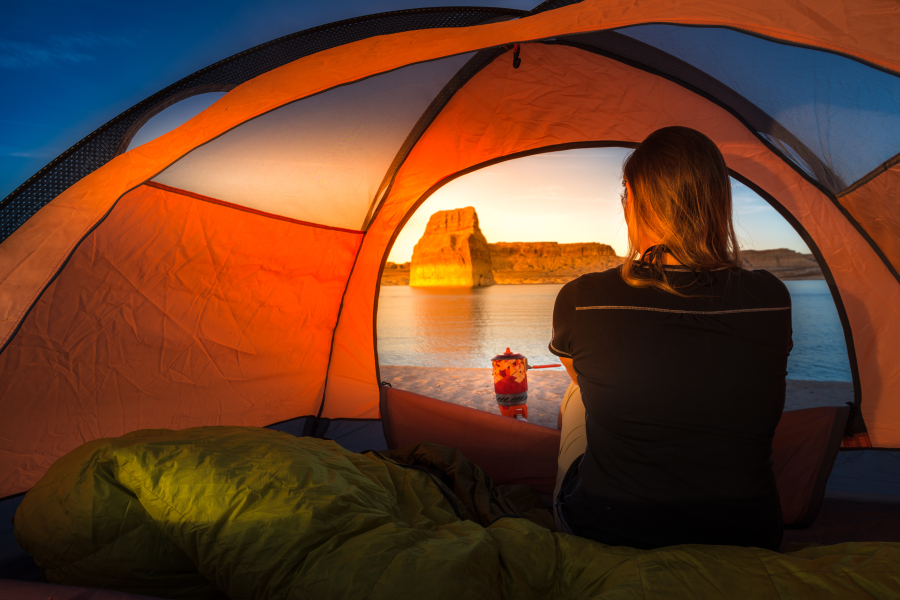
(681, 193)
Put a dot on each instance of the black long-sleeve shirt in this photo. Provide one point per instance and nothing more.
(682, 397)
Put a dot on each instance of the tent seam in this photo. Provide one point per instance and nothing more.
(57, 269)
(771, 38)
(246, 209)
(871, 175)
(337, 324)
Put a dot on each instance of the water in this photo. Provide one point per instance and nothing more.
(820, 353)
(467, 327)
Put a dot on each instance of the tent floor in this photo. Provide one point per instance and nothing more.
(862, 502)
(849, 517)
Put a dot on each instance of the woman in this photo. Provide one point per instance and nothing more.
(678, 360)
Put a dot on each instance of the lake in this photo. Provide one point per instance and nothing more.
(466, 327)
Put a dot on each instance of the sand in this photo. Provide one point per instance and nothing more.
(475, 388)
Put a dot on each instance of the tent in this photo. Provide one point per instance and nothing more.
(227, 272)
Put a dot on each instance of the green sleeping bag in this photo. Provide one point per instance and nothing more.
(239, 512)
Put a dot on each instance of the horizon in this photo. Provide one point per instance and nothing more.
(583, 187)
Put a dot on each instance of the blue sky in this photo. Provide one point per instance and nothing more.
(68, 67)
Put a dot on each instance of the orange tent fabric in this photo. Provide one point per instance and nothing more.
(528, 454)
(804, 441)
(534, 106)
(124, 305)
(170, 315)
(874, 206)
(865, 31)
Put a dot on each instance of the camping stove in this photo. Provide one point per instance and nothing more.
(511, 384)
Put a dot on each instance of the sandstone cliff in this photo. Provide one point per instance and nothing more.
(783, 263)
(523, 256)
(395, 274)
(549, 262)
(452, 252)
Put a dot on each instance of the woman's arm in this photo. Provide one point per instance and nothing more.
(570, 369)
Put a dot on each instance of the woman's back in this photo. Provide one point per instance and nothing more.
(682, 396)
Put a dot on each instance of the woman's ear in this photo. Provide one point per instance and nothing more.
(628, 208)
(629, 203)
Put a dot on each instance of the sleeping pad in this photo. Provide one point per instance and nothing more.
(240, 512)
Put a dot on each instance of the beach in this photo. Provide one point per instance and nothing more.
(475, 388)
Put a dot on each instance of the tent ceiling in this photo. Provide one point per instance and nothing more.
(171, 113)
(105, 143)
(846, 113)
(321, 159)
(107, 220)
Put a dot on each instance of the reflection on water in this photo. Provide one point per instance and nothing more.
(450, 327)
(447, 327)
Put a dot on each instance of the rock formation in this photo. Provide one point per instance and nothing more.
(395, 274)
(452, 252)
(783, 263)
(549, 262)
(529, 256)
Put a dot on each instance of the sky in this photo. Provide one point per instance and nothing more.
(68, 67)
(571, 197)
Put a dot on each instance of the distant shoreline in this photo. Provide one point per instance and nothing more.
(399, 277)
(531, 267)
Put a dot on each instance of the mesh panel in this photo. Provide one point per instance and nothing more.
(551, 4)
(478, 62)
(320, 159)
(100, 147)
(838, 112)
(647, 56)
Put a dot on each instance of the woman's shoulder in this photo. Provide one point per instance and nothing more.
(613, 274)
(762, 283)
(753, 288)
(601, 279)
(596, 288)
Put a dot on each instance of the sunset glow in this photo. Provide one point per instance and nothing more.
(570, 197)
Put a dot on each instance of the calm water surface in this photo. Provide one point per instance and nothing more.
(465, 328)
